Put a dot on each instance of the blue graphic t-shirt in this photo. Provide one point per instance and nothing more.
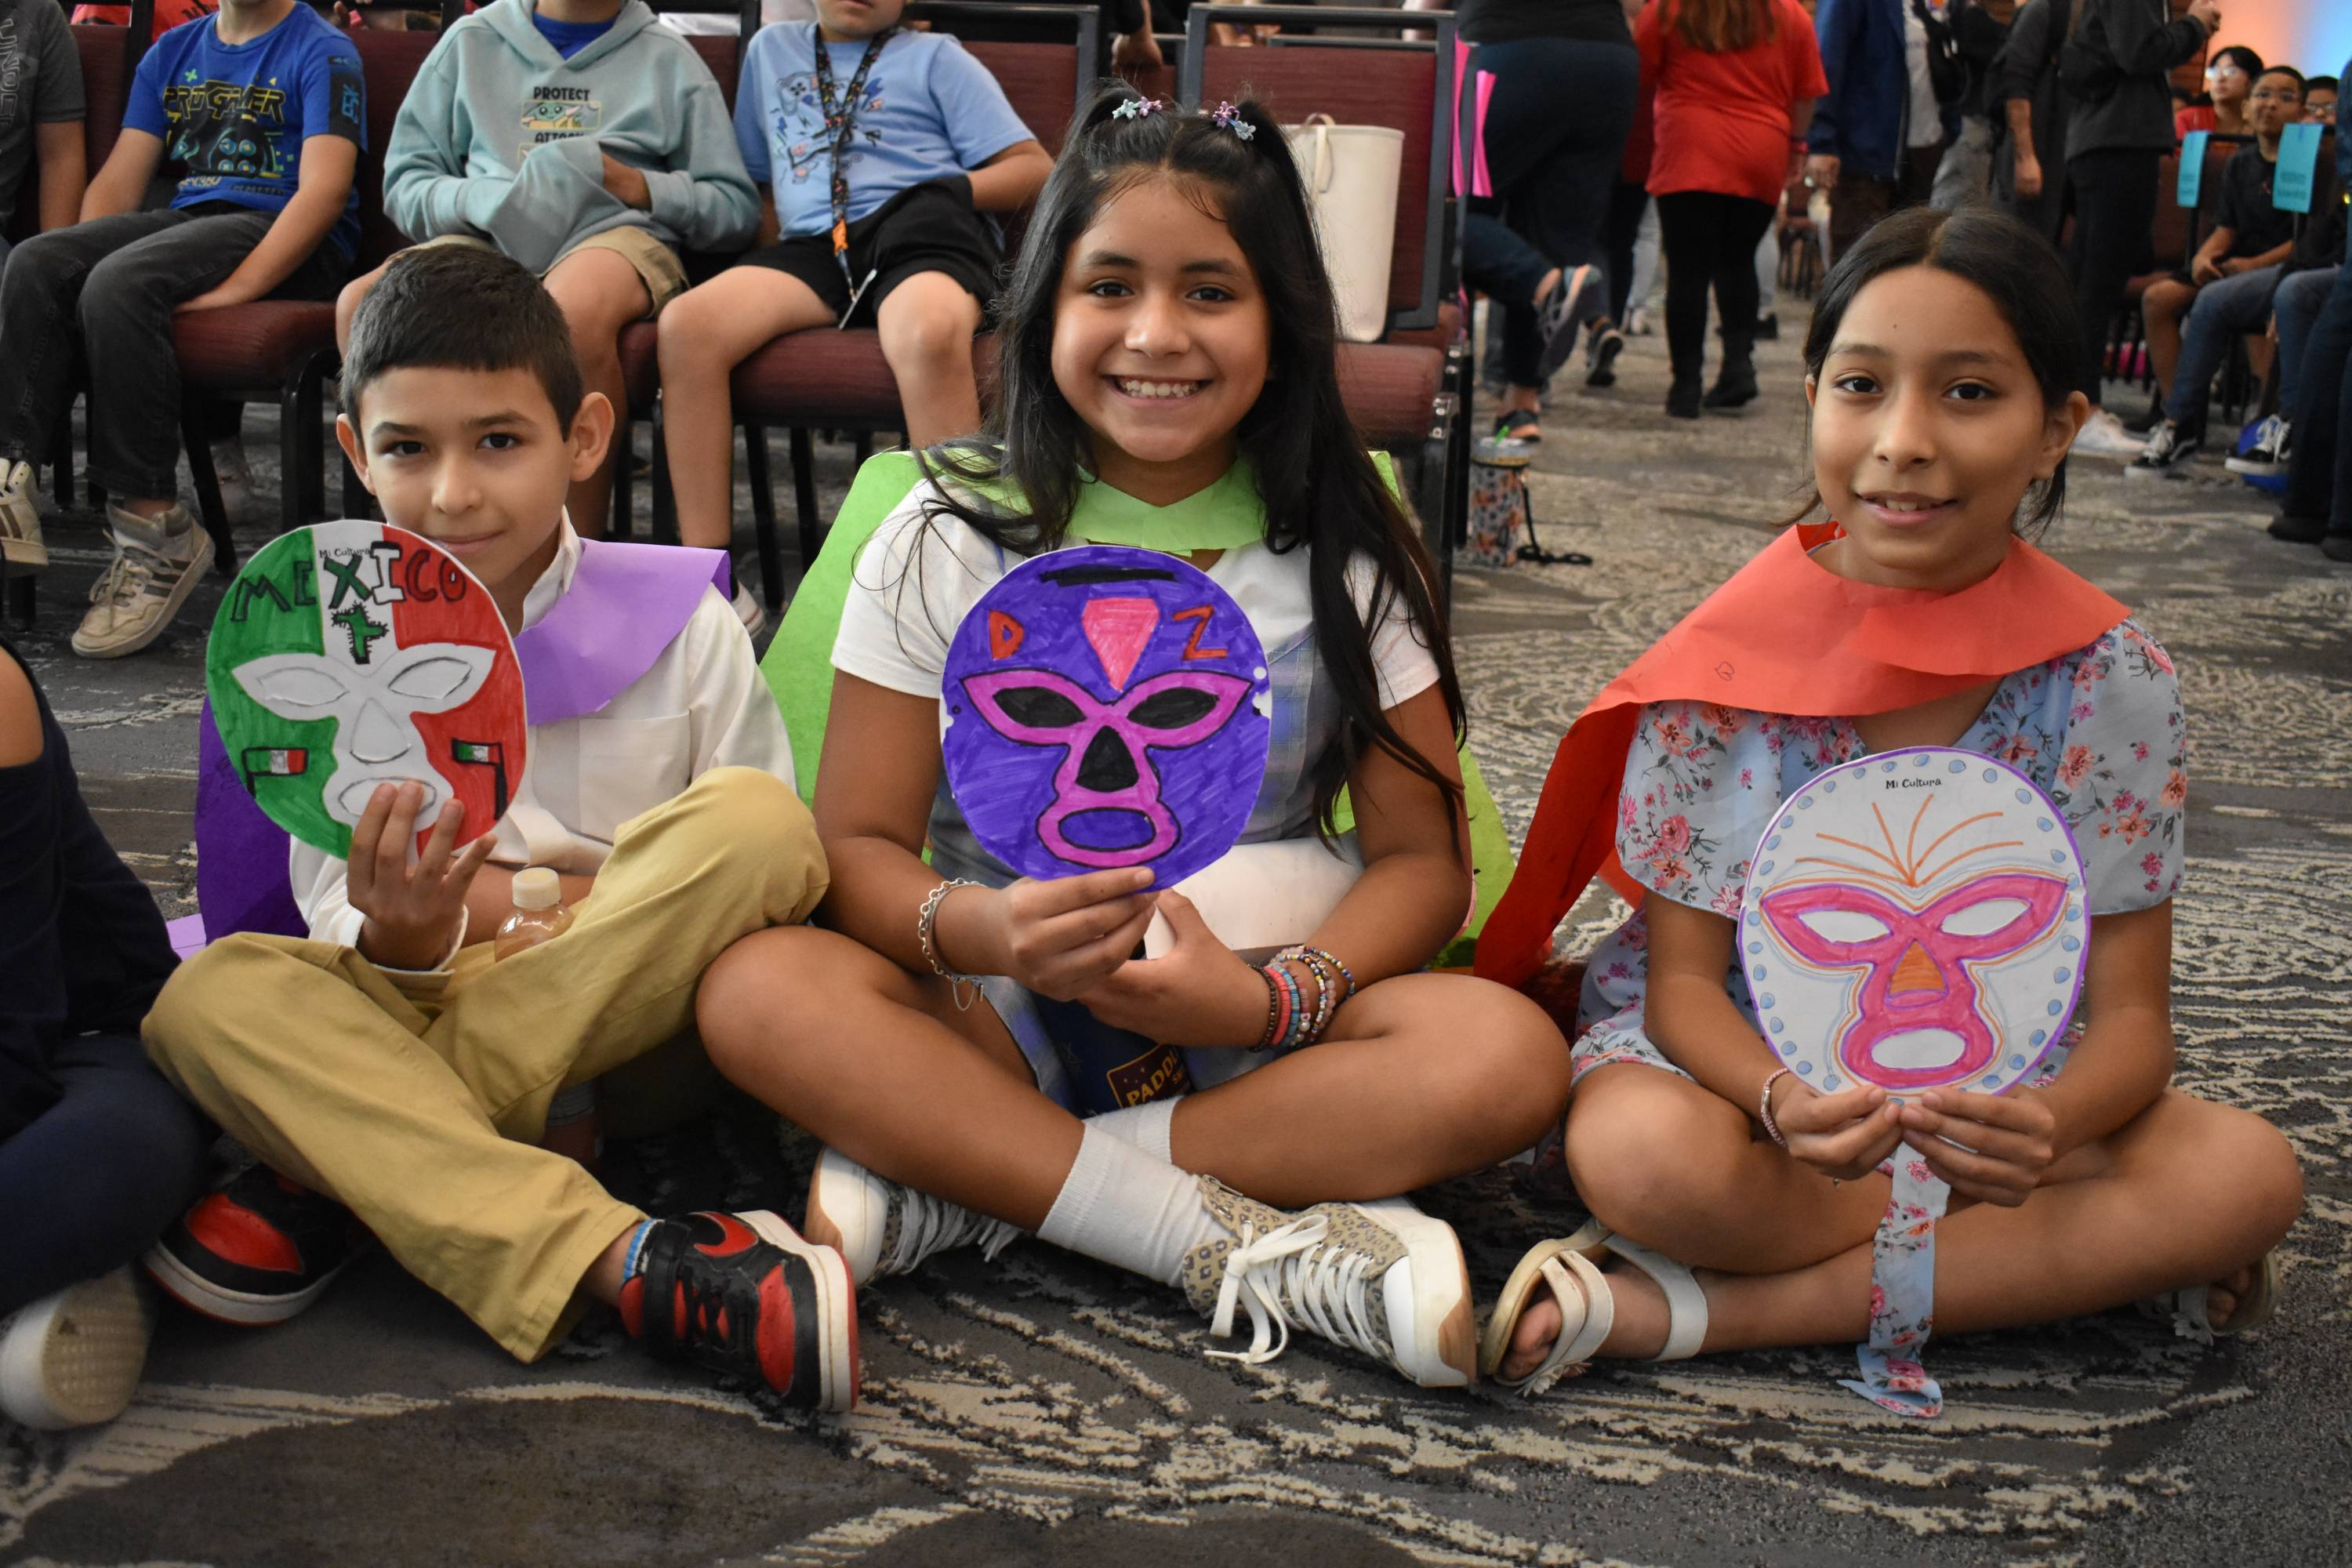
(570, 38)
(234, 116)
(928, 110)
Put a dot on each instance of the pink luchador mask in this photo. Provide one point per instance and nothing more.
(1106, 707)
(1915, 919)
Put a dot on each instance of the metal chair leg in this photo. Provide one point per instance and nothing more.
(763, 514)
(805, 496)
(664, 503)
(209, 506)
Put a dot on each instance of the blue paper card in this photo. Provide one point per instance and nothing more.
(2298, 164)
(2193, 169)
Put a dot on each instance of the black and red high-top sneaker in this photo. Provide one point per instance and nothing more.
(255, 1252)
(743, 1295)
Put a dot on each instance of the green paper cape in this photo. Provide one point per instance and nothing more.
(799, 662)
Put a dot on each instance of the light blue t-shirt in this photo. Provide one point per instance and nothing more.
(234, 116)
(928, 110)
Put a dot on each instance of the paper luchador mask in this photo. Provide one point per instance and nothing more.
(349, 655)
(1915, 919)
(1106, 707)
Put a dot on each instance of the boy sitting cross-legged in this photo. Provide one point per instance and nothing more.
(385, 1062)
(587, 143)
(881, 148)
(261, 107)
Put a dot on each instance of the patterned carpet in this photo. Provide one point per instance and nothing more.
(1045, 1408)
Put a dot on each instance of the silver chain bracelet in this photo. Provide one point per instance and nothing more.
(926, 935)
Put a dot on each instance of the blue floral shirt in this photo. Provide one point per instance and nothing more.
(2099, 729)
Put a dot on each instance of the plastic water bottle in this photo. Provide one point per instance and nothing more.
(574, 1130)
(539, 914)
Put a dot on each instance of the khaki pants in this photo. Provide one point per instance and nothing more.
(418, 1100)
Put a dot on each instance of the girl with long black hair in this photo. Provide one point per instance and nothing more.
(1169, 381)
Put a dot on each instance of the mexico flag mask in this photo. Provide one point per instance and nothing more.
(351, 655)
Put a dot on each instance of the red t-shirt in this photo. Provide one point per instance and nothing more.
(1723, 119)
(2195, 117)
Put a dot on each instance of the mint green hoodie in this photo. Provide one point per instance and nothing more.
(502, 138)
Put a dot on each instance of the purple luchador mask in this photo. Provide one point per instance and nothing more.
(1106, 707)
(1912, 921)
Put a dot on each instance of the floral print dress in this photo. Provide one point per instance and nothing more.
(2099, 729)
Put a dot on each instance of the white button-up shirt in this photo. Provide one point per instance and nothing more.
(703, 705)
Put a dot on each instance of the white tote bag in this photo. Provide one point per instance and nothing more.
(1350, 172)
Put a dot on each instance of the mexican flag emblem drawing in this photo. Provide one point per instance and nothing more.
(351, 655)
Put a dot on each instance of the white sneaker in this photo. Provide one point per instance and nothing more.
(73, 1359)
(153, 571)
(235, 473)
(2103, 436)
(748, 610)
(20, 516)
(881, 1228)
(1382, 1279)
(2273, 449)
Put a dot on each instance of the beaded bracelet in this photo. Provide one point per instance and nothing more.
(926, 936)
(1764, 1109)
(1325, 1001)
(1294, 1022)
(1328, 956)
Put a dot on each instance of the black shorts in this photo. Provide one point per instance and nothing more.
(923, 228)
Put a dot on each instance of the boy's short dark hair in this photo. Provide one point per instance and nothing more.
(461, 307)
(2300, 87)
(2318, 84)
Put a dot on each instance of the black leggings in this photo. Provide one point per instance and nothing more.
(2115, 215)
(1555, 133)
(1710, 238)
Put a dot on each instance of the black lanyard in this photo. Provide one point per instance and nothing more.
(839, 125)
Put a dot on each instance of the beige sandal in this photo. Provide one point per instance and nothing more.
(2188, 1311)
(1588, 1308)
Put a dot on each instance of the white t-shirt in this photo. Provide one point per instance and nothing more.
(703, 705)
(895, 630)
(1927, 117)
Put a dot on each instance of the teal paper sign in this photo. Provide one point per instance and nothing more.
(2193, 169)
(2298, 164)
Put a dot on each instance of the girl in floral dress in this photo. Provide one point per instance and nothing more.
(1735, 1206)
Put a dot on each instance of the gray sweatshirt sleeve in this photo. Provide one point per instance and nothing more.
(427, 191)
(705, 197)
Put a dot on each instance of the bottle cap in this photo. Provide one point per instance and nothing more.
(537, 888)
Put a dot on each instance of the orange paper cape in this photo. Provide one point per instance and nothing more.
(1785, 635)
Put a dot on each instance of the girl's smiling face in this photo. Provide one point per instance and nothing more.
(1160, 340)
(1928, 429)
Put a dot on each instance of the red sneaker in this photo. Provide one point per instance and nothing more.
(255, 1252)
(743, 1295)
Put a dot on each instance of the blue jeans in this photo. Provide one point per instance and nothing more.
(2319, 480)
(2297, 304)
(2223, 312)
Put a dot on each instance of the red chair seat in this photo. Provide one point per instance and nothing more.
(832, 379)
(253, 346)
(1392, 391)
(1439, 337)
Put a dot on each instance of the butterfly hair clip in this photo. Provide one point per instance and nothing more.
(1230, 117)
